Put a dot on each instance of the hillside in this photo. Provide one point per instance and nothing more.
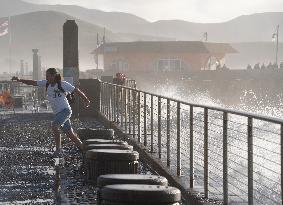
(43, 30)
(40, 26)
(252, 53)
(248, 28)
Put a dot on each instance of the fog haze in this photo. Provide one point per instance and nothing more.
(205, 11)
(250, 34)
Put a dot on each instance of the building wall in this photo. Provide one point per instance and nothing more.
(148, 61)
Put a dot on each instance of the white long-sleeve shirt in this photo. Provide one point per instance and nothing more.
(57, 99)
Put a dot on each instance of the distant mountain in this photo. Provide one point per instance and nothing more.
(252, 53)
(116, 21)
(247, 28)
(36, 26)
(44, 30)
(15, 7)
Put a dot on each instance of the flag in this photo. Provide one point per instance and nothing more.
(4, 26)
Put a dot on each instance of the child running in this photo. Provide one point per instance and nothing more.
(59, 104)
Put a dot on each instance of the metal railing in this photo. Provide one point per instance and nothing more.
(130, 83)
(235, 157)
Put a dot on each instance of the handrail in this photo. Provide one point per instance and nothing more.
(192, 139)
(240, 113)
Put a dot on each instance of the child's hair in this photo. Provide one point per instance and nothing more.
(53, 71)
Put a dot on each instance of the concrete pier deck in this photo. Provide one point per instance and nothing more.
(28, 174)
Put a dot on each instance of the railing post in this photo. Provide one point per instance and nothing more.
(225, 158)
(118, 89)
(125, 109)
(250, 161)
(105, 100)
(102, 97)
(281, 155)
(139, 116)
(134, 112)
(168, 132)
(121, 107)
(159, 127)
(205, 144)
(191, 146)
(112, 104)
(178, 139)
(151, 123)
(144, 120)
(130, 110)
(109, 100)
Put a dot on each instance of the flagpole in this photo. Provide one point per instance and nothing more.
(10, 42)
(276, 55)
(103, 35)
(97, 45)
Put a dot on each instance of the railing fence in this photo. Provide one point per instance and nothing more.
(236, 157)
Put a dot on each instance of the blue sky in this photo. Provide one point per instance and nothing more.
(205, 11)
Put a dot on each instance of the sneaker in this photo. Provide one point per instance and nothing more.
(58, 153)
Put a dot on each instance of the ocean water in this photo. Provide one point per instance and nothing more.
(266, 142)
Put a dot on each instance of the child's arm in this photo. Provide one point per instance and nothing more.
(83, 96)
(27, 82)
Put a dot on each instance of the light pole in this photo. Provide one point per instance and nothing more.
(205, 36)
(275, 35)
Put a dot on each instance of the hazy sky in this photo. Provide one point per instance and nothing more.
(189, 10)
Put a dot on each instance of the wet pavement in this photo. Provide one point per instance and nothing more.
(29, 173)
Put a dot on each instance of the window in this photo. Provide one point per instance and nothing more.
(120, 65)
(169, 64)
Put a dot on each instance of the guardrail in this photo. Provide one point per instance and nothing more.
(236, 157)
